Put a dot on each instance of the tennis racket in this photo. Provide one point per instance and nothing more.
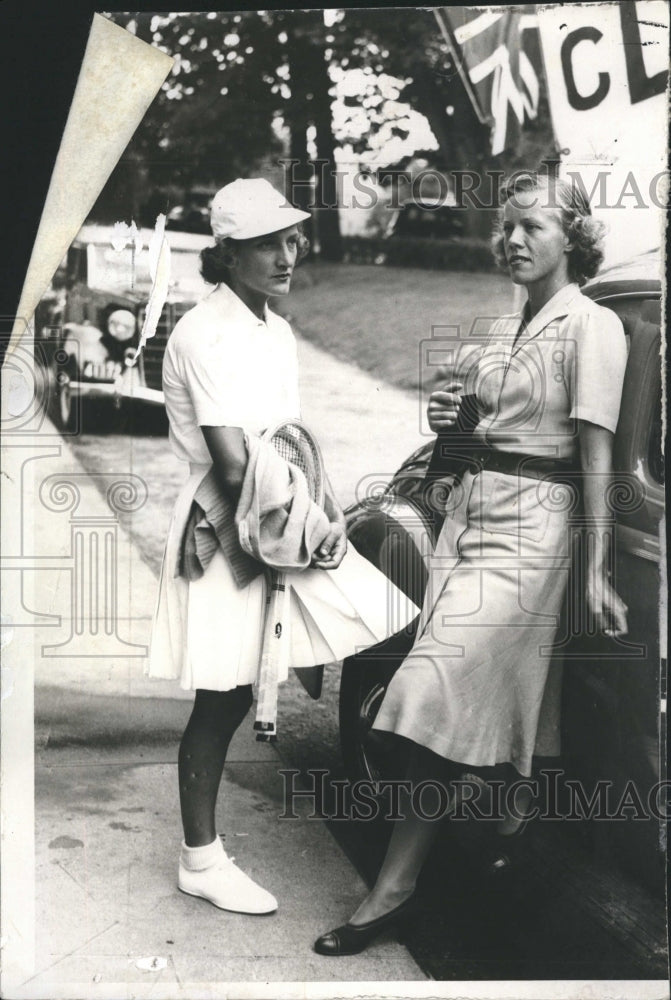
(295, 443)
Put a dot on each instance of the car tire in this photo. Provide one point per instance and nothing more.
(67, 407)
(362, 689)
(365, 677)
(396, 539)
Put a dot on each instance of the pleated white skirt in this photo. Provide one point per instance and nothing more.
(207, 633)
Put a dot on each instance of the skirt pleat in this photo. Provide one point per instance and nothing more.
(207, 633)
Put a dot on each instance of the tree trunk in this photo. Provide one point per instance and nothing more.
(328, 219)
(310, 104)
(463, 141)
(299, 188)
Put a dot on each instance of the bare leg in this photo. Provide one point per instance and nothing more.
(202, 754)
(516, 807)
(411, 840)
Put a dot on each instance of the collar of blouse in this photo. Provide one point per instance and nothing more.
(225, 298)
(555, 308)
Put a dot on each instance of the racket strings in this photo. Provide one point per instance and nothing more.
(295, 446)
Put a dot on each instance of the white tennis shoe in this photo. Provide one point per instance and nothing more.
(226, 886)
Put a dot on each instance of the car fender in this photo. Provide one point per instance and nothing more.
(397, 537)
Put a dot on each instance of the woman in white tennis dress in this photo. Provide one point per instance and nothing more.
(230, 369)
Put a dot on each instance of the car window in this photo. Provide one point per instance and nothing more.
(117, 270)
(185, 271)
(120, 271)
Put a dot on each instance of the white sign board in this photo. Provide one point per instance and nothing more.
(607, 77)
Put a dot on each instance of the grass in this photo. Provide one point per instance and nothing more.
(376, 317)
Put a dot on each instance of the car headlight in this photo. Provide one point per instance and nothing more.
(121, 325)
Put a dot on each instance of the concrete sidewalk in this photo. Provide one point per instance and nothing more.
(366, 428)
(109, 920)
(110, 917)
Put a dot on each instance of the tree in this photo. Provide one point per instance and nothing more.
(310, 107)
(408, 45)
(254, 87)
(237, 78)
(212, 119)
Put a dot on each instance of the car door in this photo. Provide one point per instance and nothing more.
(613, 690)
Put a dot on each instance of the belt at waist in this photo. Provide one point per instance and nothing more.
(533, 467)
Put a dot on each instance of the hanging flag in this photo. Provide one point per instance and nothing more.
(497, 54)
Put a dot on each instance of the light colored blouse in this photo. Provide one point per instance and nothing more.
(567, 364)
(223, 366)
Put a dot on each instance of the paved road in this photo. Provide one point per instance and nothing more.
(366, 428)
(107, 737)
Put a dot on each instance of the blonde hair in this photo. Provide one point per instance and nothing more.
(583, 231)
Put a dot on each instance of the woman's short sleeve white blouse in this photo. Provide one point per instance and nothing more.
(536, 381)
(223, 366)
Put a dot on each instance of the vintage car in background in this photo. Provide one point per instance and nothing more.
(192, 215)
(88, 324)
(426, 220)
(614, 701)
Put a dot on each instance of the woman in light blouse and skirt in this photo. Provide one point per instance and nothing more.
(479, 687)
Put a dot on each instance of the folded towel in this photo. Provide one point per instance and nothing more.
(278, 523)
(211, 525)
(275, 524)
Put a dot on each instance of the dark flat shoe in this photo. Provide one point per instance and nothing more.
(350, 939)
(503, 858)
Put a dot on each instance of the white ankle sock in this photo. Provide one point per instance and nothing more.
(199, 858)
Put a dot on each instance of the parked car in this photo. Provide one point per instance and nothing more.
(614, 696)
(426, 220)
(88, 324)
(193, 214)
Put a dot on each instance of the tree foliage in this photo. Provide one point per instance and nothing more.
(251, 87)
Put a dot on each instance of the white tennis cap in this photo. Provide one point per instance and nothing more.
(248, 208)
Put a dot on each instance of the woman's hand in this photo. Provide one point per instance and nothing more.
(332, 550)
(609, 610)
(444, 405)
(596, 459)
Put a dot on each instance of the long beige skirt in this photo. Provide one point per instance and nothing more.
(481, 685)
